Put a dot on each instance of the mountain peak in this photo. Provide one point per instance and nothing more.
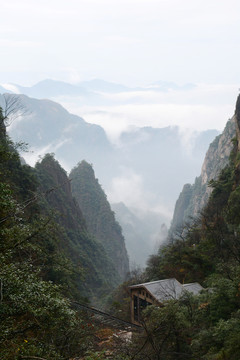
(99, 217)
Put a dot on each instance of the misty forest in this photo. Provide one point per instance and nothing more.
(78, 271)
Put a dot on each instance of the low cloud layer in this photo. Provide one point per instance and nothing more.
(200, 108)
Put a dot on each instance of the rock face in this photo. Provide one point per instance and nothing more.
(99, 217)
(194, 197)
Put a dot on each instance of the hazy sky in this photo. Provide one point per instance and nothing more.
(127, 41)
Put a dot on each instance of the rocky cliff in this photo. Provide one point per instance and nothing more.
(194, 197)
(99, 217)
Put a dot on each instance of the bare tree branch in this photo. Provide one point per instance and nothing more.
(12, 108)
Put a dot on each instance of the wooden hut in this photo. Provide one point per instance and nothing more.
(157, 292)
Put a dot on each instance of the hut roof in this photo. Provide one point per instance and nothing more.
(168, 289)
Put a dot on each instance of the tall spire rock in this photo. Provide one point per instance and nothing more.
(100, 219)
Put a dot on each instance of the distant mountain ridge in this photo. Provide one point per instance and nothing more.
(49, 88)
